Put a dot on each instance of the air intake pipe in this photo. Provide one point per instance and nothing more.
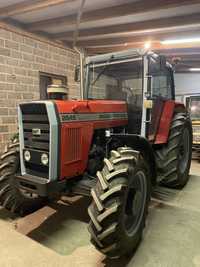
(57, 92)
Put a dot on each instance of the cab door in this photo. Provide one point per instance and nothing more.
(161, 89)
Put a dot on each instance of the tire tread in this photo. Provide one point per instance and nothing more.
(167, 155)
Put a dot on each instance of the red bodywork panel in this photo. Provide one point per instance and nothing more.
(165, 121)
(79, 120)
(94, 106)
(76, 136)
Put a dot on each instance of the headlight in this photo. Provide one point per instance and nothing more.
(45, 159)
(27, 155)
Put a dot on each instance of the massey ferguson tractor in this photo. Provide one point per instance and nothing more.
(125, 136)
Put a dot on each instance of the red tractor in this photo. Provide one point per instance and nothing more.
(126, 135)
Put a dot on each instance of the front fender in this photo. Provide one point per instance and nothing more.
(141, 144)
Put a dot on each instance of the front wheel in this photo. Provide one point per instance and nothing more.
(11, 197)
(120, 202)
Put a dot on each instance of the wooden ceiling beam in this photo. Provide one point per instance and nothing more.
(114, 11)
(190, 63)
(187, 58)
(156, 37)
(189, 53)
(166, 24)
(29, 6)
(110, 49)
(182, 52)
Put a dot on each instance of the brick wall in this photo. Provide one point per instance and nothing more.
(22, 56)
(99, 90)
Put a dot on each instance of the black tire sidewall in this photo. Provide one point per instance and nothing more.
(126, 240)
(183, 176)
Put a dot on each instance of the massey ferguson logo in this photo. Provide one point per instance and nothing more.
(36, 132)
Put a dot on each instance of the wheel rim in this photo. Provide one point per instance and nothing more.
(135, 203)
(184, 151)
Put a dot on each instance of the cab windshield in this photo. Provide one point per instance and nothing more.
(119, 80)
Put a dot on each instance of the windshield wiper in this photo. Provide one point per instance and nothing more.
(103, 70)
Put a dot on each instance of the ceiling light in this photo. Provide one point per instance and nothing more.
(193, 108)
(194, 69)
(147, 45)
(181, 41)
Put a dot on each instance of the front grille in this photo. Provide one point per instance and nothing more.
(73, 136)
(39, 122)
(36, 132)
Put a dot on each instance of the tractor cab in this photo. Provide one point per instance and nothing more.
(142, 79)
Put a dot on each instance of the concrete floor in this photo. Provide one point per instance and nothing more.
(56, 235)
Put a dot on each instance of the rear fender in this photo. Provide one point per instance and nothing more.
(170, 107)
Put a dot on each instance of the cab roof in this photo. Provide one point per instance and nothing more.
(131, 53)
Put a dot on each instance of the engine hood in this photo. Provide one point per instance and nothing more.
(90, 106)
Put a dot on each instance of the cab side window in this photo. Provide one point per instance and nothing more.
(161, 81)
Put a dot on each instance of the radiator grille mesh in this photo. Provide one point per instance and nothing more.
(73, 136)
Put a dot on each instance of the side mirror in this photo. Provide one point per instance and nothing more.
(77, 74)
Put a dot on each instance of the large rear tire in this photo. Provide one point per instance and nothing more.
(120, 202)
(11, 197)
(174, 158)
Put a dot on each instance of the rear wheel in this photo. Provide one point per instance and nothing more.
(120, 202)
(11, 197)
(174, 158)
